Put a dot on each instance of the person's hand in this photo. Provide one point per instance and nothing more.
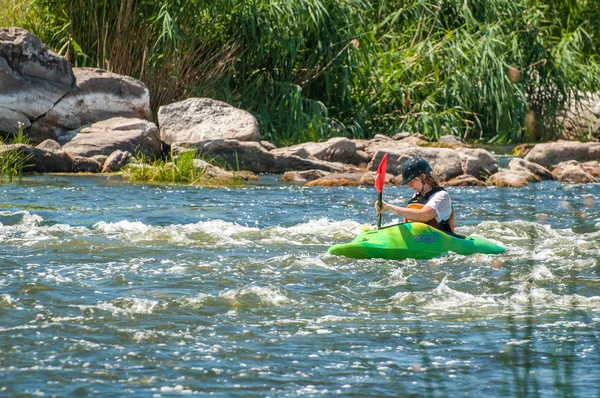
(383, 206)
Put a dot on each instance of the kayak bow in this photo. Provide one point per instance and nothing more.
(411, 240)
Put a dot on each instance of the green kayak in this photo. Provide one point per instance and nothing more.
(411, 240)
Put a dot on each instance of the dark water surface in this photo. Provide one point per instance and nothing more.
(109, 288)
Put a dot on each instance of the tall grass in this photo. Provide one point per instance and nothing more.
(494, 70)
(13, 159)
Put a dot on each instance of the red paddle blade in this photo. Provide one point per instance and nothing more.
(380, 176)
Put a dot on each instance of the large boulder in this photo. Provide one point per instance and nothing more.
(446, 163)
(336, 149)
(553, 153)
(518, 164)
(32, 78)
(572, 172)
(511, 178)
(252, 156)
(194, 120)
(43, 159)
(99, 95)
(128, 135)
(477, 162)
(303, 176)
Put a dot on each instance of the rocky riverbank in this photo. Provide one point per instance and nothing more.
(91, 120)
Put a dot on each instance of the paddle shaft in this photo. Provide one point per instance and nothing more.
(380, 205)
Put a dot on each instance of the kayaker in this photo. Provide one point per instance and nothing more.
(431, 204)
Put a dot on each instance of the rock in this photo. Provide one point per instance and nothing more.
(41, 160)
(592, 167)
(572, 172)
(99, 95)
(116, 161)
(401, 136)
(214, 173)
(249, 155)
(553, 153)
(452, 141)
(512, 179)
(128, 135)
(303, 176)
(518, 164)
(194, 120)
(32, 78)
(464, 180)
(337, 180)
(337, 149)
(267, 145)
(445, 162)
(87, 165)
(477, 162)
(368, 178)
(522, 150)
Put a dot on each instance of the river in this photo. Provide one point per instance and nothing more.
(113, 288)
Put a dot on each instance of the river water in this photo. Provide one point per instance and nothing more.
(111, 288)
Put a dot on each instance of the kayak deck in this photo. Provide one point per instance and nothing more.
(411, 240)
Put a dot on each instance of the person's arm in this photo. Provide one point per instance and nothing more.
(423, 214)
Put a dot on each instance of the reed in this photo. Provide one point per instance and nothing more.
(180, 169)
(487, 70)
(13, 158)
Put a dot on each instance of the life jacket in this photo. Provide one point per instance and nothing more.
(419, 201)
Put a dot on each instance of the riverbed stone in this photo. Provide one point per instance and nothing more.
(126, 134)
(511, 178)
(445, 162)
(252, 156)
(40, 159)
(116, 161)
(572, 172)
(195, 120)
(304, 175)
(452, 141)
(337, 149)
(552, 153)
(337, 180)
(477, 162)
(519, 164)
(464, 180)
(592, 167)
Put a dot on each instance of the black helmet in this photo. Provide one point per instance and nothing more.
(412, 168)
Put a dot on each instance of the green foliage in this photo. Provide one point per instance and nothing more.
(489, 70)
(179, 170)
(13, 159)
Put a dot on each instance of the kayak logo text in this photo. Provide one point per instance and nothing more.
(424, 239)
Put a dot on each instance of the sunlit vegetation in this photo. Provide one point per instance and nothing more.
(13, 158)
(486, 70)
(185, 168)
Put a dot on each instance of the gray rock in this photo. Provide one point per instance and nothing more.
(195, 120)
(87, 165)
(518, 164)
(116, 161)
(445, 162)
(103, 138)
(477, 162)
(511, 179)
(32, 78)
(553, 153)
(336, 149)
(251, 156)
(303, 176)
(452, 141)
(464, 180)
(99, 95)
(41, 160)
(572, 172)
